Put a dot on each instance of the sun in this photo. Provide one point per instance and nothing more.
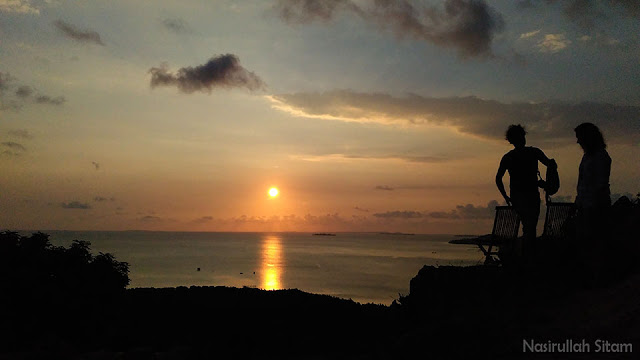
(273, 192)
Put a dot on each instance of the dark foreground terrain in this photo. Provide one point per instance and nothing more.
(61, 303)
(451, 312)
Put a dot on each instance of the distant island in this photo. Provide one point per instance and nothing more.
(323, 234)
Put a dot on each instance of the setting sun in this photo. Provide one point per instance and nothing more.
(273, 192)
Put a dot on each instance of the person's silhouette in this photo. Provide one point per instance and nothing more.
(522, 164)
(593, 199)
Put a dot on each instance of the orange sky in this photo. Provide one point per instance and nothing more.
(111, 117)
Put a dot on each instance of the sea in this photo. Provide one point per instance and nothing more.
(365, 267)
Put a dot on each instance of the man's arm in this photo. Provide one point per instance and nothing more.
(545, 160)
(501, 170)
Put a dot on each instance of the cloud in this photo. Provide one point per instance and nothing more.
(616, 196)
(5, 79)
(400, 215)
(44, 99)
(468, 212)
(204, 219)
(545, 121)
(220, 71)
(306, 11)
(409, 158)
(20, 133)
(176, 25)
(360, 209)
(553, 43)
(384, 187)
(151, 218)
(468, 26)
(24, 91)
(586, 13)
(103, 199)
(529, 34)
(18, 6)
(344, 157)
(590, 13)
(602, 40)
(562, 198)
(96, 165)
(12, 148)
(22, 94)
(83, 36)
(75, 205)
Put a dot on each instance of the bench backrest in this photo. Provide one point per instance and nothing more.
(557, 215)
(506, 223)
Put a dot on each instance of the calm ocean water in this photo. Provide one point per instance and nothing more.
(365, 267)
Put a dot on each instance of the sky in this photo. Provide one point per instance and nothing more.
(367, 115)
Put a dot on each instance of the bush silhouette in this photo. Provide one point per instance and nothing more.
(32, 265)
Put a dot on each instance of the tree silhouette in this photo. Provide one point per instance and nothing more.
(31, 264)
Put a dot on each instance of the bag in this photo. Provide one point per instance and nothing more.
(552, 182)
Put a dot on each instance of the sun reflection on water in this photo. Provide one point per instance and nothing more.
(271, 262)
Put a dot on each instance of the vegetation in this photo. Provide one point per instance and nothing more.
(31, 265)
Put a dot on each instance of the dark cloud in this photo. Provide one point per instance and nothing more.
(220, 71)
(22, 94)
(84, 36)
(204, 219)
(176, 25)
(360, 209)
(14, 146)
(546, 121)
(590, 13)
(562, 198)
(616, 196)
(468, 212)
(5, 79)
(103, 199)
(306, 11)
(75, 205)
(44, 99)
(155, 219)
(24, 91)
(95, 165)
(400, 215)
(20, 133)
(151, 218)
(383, 187)
(465, 25)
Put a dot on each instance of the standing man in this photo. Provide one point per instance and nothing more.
(522, 164)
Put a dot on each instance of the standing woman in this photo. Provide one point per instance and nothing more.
(593, 199)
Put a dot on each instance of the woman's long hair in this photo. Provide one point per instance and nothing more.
(590, 137)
